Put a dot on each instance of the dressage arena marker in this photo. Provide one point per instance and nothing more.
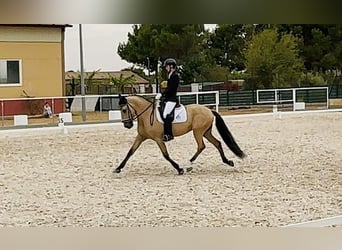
(325, 222)
(67, 116)
(114, 115)
(20, 120)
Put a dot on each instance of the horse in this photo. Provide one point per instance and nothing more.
(199, 119)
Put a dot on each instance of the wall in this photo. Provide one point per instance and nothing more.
(41, 52)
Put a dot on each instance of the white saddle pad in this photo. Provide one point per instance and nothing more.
(180, 115)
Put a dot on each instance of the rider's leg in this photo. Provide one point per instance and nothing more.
(169, 106)
(168, 135)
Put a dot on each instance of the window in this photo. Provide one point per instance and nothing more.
(10, 72)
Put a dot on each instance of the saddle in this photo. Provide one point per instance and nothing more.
(178, 114)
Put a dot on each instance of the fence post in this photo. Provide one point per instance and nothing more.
(294, 97)
(53, 105)
(100, 105)
(2, 112)
(327, 97)
(217, 100)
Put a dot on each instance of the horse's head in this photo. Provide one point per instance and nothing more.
(126, 113)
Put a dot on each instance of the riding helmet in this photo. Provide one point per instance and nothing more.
(170, 61)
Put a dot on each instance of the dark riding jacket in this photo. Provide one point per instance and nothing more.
(170, 93)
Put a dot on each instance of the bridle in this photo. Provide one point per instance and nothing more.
(131, 116)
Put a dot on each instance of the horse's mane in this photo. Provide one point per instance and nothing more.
(140, 96)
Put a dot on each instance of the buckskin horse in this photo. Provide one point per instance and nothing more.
(199, 119)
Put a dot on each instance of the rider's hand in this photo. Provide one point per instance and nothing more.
(158, 96)
(163, 84)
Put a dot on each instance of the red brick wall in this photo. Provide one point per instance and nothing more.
(29, 107)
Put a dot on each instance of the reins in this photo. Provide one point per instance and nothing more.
(136, 116)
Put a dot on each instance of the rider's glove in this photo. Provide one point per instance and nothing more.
(158, 96)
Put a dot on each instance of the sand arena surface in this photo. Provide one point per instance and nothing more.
(293, 173)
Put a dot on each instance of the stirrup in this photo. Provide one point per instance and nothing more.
(167, 137)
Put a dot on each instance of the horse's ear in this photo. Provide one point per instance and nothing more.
(122, 100)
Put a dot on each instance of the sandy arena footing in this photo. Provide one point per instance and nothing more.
(293, 173)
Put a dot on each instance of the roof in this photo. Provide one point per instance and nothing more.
(38, 25)
(105, 75)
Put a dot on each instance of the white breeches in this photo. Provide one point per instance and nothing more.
(169, 106)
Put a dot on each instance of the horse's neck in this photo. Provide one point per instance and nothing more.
(139, 104)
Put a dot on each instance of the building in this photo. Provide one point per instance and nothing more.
(31, 65)
(106, 82)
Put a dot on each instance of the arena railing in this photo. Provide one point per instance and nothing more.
(28, 111)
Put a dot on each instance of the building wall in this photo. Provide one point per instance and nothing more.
(40, 50)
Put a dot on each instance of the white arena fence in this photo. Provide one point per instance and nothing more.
(294, 97)
(99, 108)
(104, 108)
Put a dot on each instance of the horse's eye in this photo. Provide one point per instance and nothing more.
(124, 111)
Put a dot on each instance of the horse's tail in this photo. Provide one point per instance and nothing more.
(227, 136)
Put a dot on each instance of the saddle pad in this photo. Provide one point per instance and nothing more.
(180, 115)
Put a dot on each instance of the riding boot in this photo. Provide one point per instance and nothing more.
(168, 135)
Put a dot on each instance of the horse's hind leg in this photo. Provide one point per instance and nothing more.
(208, 135)
(200, 144)
(163, 149)
(138, 140)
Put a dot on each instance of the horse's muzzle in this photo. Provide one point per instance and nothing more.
(128, 124)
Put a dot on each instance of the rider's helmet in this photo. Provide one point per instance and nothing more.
(170, 61)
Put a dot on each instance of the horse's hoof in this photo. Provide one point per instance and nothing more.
(188, 169)
(181, 171)
(230, 163)
(117, 170)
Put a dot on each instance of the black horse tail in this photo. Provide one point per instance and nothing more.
(227, 136)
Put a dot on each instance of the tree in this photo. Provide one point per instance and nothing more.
(160, 41)
(272, 60)
(228, 43)
(321, 45)
(121, 82)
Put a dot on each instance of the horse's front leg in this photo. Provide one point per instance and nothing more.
(138, 140)
(163, 149)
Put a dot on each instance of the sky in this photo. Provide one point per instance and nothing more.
(100, 43)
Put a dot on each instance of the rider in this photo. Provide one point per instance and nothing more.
(170, 96)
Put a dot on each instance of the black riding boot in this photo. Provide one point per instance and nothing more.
(168, 135)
